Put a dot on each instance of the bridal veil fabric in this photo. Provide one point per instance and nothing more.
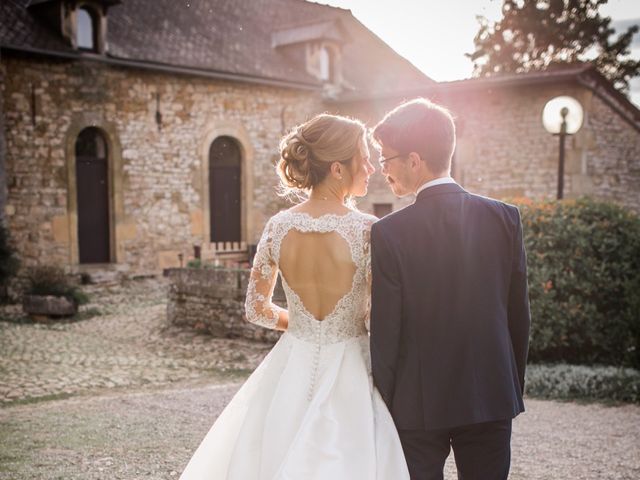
(310, 410)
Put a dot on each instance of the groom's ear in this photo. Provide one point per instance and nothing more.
(414, 160)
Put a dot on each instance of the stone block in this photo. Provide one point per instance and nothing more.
(60, 228)
(168, 259)
(127, 231)
(48, 305)
(197, 227)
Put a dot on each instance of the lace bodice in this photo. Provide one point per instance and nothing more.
(349, 318)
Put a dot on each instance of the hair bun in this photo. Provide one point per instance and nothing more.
(308, 151)
(296, 156)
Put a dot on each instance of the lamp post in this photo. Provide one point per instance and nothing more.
(562, 116)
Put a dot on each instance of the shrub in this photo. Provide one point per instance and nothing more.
(51, 280)
(198, 263)
(571, 382)
(584, 282)
(9, 263)
(195, 263)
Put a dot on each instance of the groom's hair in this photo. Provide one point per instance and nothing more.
(419, 126)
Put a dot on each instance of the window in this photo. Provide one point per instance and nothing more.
(324, 64)
(382, 209)
(86, 30)
(327, 65)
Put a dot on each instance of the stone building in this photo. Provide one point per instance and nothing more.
(135, 130)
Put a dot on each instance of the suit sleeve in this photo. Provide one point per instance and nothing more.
(518, 310)
(386, 314)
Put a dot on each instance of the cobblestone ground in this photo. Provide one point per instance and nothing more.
(129, 344)
(143, 395)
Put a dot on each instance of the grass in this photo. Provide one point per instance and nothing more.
(40, 399)
(21, 319)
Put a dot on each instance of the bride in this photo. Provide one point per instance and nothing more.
(310, 410)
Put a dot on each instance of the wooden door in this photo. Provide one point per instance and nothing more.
(225, 190)
(92, 185)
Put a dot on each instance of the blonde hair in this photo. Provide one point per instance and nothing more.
(308, 150)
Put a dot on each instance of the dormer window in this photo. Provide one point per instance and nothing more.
(325, 60)
(86, 30)
(81, 23)
(319, 45)
(322, 62)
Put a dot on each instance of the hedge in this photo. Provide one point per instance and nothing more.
(583, 259)
(573, 382)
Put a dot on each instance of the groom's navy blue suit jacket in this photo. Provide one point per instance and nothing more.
(450, 310)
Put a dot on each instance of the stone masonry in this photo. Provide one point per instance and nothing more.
(212, 300)
(158, 206)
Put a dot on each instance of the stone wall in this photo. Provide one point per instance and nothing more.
(612, 159)
(212, 300)
(159, 189)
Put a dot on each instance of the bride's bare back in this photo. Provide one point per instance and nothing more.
(318, 267)
(323, 262)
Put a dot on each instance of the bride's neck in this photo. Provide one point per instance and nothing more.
(327, 194)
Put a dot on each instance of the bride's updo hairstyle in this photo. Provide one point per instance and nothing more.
(307, 152)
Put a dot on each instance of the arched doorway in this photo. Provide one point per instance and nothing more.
(225, 190)
(92, 186)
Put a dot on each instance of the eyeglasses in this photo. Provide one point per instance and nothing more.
(383, 160)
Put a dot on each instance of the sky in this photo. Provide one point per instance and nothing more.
(435, 34)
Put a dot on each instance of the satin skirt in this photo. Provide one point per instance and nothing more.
(306, 413)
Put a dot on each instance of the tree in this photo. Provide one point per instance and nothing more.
(542, 34)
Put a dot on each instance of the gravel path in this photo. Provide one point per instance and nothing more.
(152, 434)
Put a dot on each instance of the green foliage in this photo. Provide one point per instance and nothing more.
(9, 263)
(195, 263)
(536, 35)
(198, 263)
(51, 280)
(583, 262)
(572, 382)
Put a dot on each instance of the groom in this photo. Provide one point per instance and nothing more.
(450, 310)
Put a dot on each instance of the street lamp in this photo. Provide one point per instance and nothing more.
(562, 116)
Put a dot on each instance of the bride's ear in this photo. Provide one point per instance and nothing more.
(337, 170)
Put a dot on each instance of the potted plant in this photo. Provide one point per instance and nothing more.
(51, 294)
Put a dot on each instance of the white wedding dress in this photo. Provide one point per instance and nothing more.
(310, 410)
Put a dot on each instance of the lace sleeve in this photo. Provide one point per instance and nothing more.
(366, 246)
(258, 305)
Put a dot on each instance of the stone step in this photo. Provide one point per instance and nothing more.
(102, 277)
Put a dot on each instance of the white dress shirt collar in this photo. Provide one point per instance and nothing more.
(433, 183)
